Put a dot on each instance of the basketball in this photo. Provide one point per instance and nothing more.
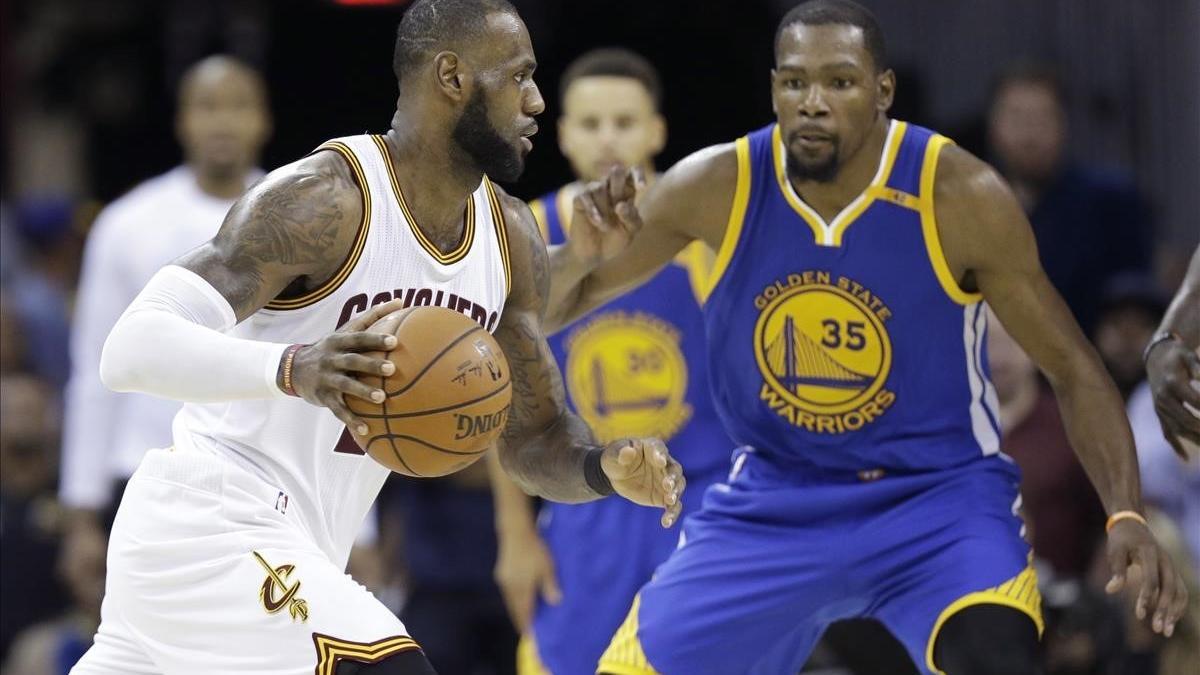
(447, 400)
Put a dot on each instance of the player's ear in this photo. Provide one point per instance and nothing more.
(450, 71)
(886, 87)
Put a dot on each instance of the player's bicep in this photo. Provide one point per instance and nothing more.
(299, 221)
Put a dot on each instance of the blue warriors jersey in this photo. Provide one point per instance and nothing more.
(635, 366)
(847, 344)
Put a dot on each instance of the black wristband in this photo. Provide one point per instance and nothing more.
(594, 474)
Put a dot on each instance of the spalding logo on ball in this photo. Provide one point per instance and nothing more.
(447, 400)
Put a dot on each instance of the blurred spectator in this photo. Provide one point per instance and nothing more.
(53, 647)
(1061, 508)
(1131, 306)
(222, 124)
(446, 545)
(29, 516)
(39, 284)
(1090, 225)
(12, 340)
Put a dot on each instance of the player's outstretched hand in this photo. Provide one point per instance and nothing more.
(323, 373)
(524, 570)
(1171, 369)
(605, 217)
(642, 471)
(1131, 544)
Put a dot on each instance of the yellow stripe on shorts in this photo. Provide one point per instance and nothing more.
(528, 660)
(624, 655)
(1020, 593)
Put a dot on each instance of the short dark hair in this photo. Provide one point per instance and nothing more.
(845, 12)
(613, 62)
(430, 26)
(1032, 73)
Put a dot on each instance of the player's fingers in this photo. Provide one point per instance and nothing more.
(585, 203)
(657, 452)
(679, 482)
(1166, 595)
(638, 175)
(349, 386)
(628, 217)
(1178, 606)
(334, 402)
(1192, 361)
(368, 318)
(362, 341)
(629, 453)
(1184, 422)
(671, 514)
(358, 363)
(1147, 558)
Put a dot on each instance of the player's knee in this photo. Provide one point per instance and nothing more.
(988, 640)
(409, 662)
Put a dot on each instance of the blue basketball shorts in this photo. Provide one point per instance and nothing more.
(781, 551)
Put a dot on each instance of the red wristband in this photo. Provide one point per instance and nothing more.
(289, 359)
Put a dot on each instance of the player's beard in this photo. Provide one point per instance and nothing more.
(485, 146)
(823, 171)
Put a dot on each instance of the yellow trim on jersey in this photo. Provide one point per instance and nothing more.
(830, 234)
(698, 259)
(501, 232)
(464, 246)
(360, 240)
(737, 214)
(624, 655)
(330, 650)
(1020, 593)
(538, 208)
(529, 662)
(933, 241)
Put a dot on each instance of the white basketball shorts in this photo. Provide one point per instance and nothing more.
(208, 574)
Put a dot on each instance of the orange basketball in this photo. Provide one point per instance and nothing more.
(447, 401)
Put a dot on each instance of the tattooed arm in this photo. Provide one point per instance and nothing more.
(546, 449)
(290, 232)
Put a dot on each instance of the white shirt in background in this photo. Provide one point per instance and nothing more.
(105, 433)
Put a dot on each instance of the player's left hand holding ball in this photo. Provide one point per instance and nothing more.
(642, 471)
(1132, 545)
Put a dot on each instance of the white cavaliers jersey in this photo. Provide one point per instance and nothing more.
(321, 474)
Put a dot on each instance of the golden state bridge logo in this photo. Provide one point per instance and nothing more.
(627, 376)
(823, 351)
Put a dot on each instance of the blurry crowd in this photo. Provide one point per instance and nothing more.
(430, 552)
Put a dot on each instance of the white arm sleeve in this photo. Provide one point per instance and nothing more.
(170, 343)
